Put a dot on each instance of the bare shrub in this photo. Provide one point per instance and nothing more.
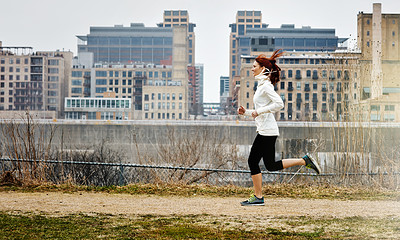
(199, 149)
(24, 139)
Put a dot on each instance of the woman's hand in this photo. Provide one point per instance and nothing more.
(241, 110)
(254, 114)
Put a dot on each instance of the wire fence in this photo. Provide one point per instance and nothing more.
(106, 174)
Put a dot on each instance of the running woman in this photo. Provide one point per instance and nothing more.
(266, 103)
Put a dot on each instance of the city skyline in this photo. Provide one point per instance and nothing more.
(212, 30)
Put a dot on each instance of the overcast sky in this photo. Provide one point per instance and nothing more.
(54, 24)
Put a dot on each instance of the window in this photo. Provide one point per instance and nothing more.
(76, 82)
(298, 85)
(308, 74)
(282, 85)
(76, 90)
(389, 107)
(375, 108)
(298, 74)
(315, 75)
(290, 73)
(324, 74)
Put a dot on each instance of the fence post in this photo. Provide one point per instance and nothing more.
(121, 175)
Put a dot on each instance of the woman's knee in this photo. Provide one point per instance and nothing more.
(275, 167)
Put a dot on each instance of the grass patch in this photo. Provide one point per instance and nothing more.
(305, 191)
(81, 226)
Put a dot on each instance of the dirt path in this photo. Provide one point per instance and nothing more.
(62, 203)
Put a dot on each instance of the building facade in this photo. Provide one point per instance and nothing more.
(149, 65)
(378, 38)
(249, 34)
(34, 81)
(173, 18)
(314, 86)
(155, 91)
(135, 43)
(93, 108)
(360, 85)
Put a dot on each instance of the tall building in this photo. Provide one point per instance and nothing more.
(34, 81)
(173, 18)
(199, 88)
(244, 20)
(378, 38)
(224, 93)
(223, 85)
(195, 74)
(249, 34)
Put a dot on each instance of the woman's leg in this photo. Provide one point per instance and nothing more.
(290, 162)
(257, 185)
(269, 154)
(253, 161)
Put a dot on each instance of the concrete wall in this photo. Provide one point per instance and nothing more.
(374, 143)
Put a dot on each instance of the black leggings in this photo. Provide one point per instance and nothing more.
(263, 147)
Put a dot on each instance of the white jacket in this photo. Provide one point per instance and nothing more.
(266, 102)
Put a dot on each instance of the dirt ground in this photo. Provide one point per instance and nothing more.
(56, 203)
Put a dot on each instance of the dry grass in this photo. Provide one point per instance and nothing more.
(272, 190)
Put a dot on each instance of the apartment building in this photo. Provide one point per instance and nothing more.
(314, 86)
(34, 81)
(249, 34)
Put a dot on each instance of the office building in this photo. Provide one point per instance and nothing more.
(135, 43)
(155, 91)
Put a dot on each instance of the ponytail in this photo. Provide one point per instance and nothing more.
(270, 65)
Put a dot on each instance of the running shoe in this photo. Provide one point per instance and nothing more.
(311, 163)
(253, 201)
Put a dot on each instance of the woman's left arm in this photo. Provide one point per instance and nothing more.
(276, 101)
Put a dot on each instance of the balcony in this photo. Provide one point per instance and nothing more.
(315, 77)
(298, 77)
(325, 89)
(290, 89)
(307, 89)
